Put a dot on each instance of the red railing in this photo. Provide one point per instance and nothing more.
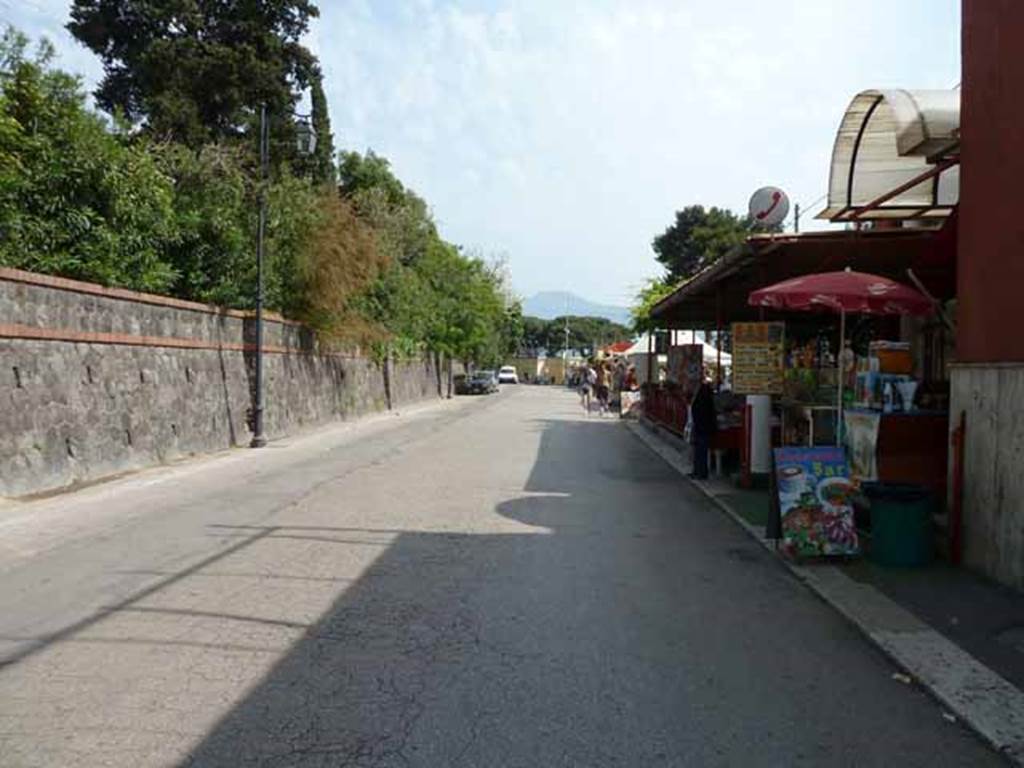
(666, 406)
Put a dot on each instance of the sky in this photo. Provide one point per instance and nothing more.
(563, 135)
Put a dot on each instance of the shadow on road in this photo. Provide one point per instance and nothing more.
(485, 649)
(607, 619)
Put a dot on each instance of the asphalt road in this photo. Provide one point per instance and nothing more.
(493, 582)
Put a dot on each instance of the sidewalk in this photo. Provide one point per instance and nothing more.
(30, 526)
(957, 635)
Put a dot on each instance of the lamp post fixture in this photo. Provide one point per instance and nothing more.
(306, 144)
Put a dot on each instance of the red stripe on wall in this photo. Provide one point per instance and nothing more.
(18, 331)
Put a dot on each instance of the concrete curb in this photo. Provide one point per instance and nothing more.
(988, 703)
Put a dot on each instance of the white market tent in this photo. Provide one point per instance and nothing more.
(710, 351)
(895, 156)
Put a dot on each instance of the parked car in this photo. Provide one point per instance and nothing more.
(461, 383)
(507, 375)
(483, 383)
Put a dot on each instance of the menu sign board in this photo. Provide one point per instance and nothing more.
(814, 493)
(757, 358)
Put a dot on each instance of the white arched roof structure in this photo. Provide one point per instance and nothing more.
(887, 139)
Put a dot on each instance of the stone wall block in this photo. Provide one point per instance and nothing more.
(73, 411)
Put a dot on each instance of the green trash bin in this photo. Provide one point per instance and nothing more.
(901, 524)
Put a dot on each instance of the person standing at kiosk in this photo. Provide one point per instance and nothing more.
(705, 422)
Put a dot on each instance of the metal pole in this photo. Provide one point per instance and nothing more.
(258, 439)
(718, 339)
(839, 377)
(650, 356)
(565, 354)
(796, 217)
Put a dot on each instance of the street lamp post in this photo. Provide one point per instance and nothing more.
(258, 438)
(306, 141)
(565, 354)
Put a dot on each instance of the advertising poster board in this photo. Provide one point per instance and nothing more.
(814, 496)
(689, 373)
(757, 358)
(674, 364)
(686, 366)
(862, 442)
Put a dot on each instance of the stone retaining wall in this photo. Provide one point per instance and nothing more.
(96, 381)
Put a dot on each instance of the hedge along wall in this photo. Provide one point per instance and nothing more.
(95, 381)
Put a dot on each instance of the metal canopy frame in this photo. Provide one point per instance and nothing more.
(896, 157)
(718, 294)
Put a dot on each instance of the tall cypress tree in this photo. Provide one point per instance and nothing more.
(323, 159)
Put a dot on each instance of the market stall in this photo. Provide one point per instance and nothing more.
(685, 366)
(870, 389)
(860, 293)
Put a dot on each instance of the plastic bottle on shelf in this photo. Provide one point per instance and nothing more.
(848, 364)
(887, 397)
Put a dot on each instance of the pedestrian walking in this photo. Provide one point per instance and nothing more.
(631, 384)
(588, 378)
(704, 426)
(619, 376)
(603, 378)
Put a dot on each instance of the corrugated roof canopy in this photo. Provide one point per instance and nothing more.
(889, 138)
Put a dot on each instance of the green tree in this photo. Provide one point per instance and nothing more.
(431, 294)
(513, 329)
(654, 291)
(535, 333)
(75, 199)
(215, 209)
(214, 196)
(587, 333)
(398, 214)
(195, 71)
(482, 315)
(84, 198)
(322, 162)
(697, 238)
(584, 333)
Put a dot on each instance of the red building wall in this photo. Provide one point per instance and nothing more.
(991, 238)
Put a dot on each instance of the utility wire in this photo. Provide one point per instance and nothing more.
(801, 207)
(815, 201)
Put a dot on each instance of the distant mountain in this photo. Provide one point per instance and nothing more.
(551, 304)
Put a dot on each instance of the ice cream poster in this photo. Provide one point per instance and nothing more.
(815, 502)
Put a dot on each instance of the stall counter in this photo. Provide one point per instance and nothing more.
(912, 447)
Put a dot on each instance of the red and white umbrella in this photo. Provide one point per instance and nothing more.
(843, 292)
(846, 291)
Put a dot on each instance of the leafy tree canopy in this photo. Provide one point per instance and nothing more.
(584, 333)
(432, 292)
(697, 238)
(362, 263)
(323, 159)
(399, 214)
(654, 291)
(75, 199)
(195, 71)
